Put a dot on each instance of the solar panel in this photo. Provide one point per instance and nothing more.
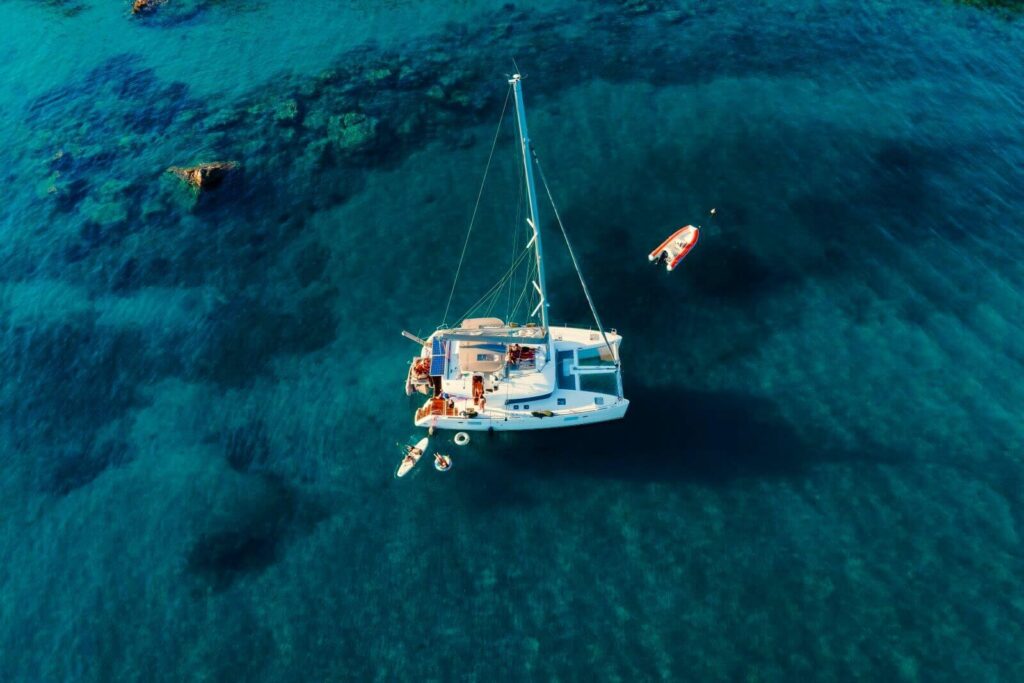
(437, 358)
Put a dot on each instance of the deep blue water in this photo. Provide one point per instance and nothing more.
(820, 476)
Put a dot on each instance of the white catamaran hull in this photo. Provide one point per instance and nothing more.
(501, 423)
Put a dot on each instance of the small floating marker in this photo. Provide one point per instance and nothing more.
(714, 212)
(462, 438)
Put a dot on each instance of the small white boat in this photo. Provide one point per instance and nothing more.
(412, 457)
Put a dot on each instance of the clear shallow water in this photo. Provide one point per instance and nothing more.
(819, 477)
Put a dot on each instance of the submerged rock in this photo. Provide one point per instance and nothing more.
(142, 6)
(1007, 8)
(352, 132)
(204, 176)
(378, 74)
(286, 111)
(68, 8)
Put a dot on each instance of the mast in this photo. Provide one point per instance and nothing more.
(531, 192)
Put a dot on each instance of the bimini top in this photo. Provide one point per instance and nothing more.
(494, 331)
(481, 357)
(480, 323)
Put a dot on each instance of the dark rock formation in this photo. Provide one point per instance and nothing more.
(204, 176)
(1007, 7)
(143, 6)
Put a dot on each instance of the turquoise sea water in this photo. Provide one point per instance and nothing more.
(820, 476)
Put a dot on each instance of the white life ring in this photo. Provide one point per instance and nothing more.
(461, 439)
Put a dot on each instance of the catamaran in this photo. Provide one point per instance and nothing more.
(489, 373)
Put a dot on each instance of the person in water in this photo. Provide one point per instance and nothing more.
(412, 454)
(443, 462)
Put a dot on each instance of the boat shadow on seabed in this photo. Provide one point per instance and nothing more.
(673, 435)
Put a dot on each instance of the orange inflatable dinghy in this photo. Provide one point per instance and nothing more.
(676, 247)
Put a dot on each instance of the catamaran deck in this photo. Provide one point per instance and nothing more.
(482, 388)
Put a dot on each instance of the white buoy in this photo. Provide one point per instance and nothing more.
(461, 439)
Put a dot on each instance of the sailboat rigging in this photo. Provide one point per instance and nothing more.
(489, 373)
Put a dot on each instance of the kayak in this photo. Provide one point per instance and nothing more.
(411, 458)
(676, 247)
